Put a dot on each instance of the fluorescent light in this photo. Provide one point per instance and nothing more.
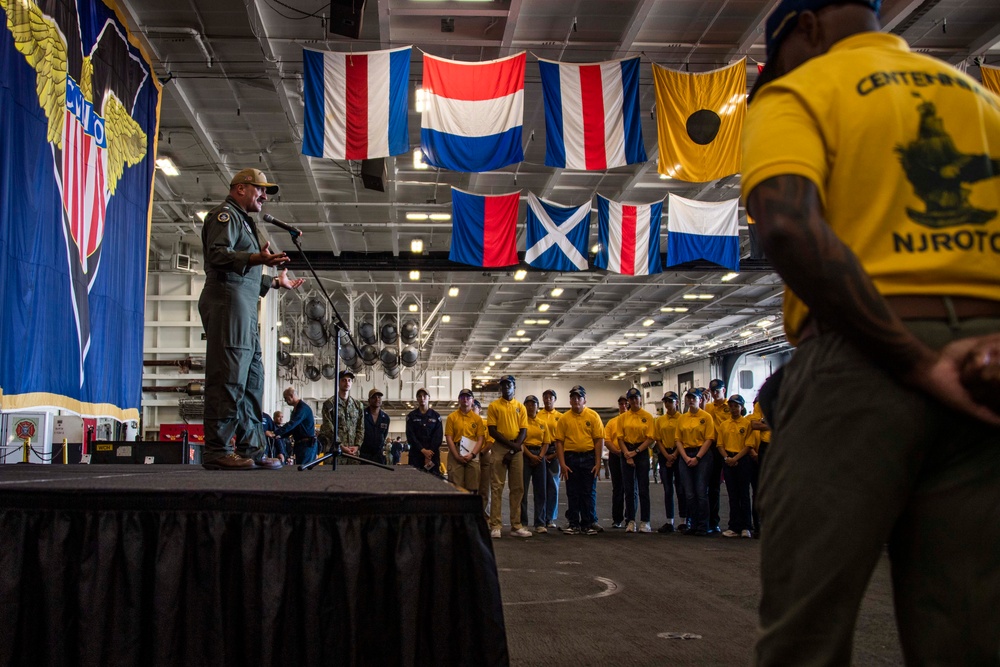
(440, 216)
(706, 297)
(416, 216)
(285, 340)
(201, 215)
(446, 318)
(520, 274)
(641, 334)
(628, 334)
(414, 308)
(167, 166)
(300, 354)
(541, 321)
(418, 158)
(505, 349)
(278, 323)
(414, 275)
(420, 101)
(556, 291)
(764, 324)
(417, 246)
(594, 249)
(648, 323)
(681, 309)
(642, 369)
(746, 334)
(492, 363)
(542, 307)
(729, 276)
(531, 322)
(453, 291)
(520, 332)
(497, 356)
(690, 297)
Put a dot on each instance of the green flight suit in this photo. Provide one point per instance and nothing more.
(234, 374)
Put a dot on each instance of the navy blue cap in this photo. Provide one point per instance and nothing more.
(693, 392)
(633, 393)
(623, 399)
(783, 20)
(579, 390)
(509, 378)
(466, 392)
(670, 396)
(550, 391)
(716, 384)
(736, 398)
(531, 398)
(346, 373)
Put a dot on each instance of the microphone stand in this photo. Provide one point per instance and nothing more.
(339, 325)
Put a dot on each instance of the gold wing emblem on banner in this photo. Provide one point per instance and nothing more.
(41, 42)
(126, 140)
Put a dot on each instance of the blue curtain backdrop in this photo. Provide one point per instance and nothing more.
(71, 329)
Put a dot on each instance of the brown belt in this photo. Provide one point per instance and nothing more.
(922, 307)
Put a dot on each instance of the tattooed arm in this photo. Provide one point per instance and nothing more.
(830, 280)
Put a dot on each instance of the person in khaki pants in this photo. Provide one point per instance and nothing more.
(463, 431)
(507, 420)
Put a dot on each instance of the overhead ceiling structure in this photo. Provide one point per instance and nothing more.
(233, 98)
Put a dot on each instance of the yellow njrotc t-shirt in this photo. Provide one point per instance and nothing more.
(578, 431)
(694, 429)
(665, 428)
(735, 434)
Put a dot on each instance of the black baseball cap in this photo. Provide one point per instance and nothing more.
(716, 384)
(693, 392)
(550, 391)
(736, 398)
(783, 20)
(466, 392)
(623, 399)
(531, 399)
(633, 393)
(670, 396)
(346, 373)
(508, 378)
(578, 390)
(423, 391)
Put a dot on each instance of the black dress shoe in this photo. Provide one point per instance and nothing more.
(268, 463)
(231, 461)
(683, 528)
(666, 528)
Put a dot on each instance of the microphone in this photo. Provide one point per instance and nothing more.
(294, 231)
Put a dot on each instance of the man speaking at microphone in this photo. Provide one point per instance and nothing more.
(234, 282)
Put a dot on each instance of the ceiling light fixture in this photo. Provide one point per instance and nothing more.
(446, 318)
(414, 275)
(497, 356)
(285, 340)
(520, 274)
(520, 332)
(440, 217)
(541, 321)
(453, 291)
(542, 307)
(201, 215)
(418, 159)
(648, 323)
(412, 215)
(556, 291)
(417, 246)
(505, 349)
(300, 354)
(729, 276)
(531, 322)
(167, 166)
(414, 307)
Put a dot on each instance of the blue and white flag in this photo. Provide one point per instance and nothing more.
(474, 113)
(557, 235)
(703, 230)
(592, 114)
(355, 104)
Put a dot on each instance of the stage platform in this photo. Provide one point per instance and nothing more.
(175, 565)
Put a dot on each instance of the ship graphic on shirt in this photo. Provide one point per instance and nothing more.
(940, 174)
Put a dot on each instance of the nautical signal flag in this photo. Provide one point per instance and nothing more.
(557, 235)
(592, 114)
(700, 230)
(629, 237)
(483, 229)
(699, 119)
(355, 104)
(474, 113)
(991, 78)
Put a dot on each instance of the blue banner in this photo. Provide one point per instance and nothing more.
(79, 107)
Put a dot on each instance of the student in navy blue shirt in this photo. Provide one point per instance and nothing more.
(301, 426)
(424, 433)
(376, 429)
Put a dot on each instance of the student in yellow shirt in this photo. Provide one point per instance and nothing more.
(665, 427)
(579, 439)
(463, 461)
(615, 465)
(507, 423)
(715, 405)
(635, 437)
(759, 425)
(551, 416)
(736, 441)
(535, 469)
(695, 435)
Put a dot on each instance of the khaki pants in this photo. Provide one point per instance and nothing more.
(858, 461)
(464, 475)
(513, 473)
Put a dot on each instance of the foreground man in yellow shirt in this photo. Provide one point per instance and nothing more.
(579, 437)
(873, 174)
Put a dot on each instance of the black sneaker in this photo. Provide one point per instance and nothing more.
(683, 528)
(571, 530)
(620, 524)
(592, 529)
(666, 528)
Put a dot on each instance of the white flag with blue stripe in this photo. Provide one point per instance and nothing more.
(698, 230)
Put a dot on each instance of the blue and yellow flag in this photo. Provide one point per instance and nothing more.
(699, 119)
